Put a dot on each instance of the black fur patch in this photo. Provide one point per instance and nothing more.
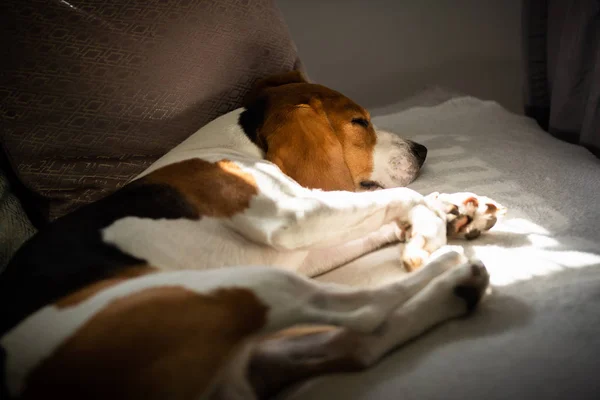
(251, 120)
(69, 253)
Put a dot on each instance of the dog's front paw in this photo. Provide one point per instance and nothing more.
(467, 214)
(425, 234)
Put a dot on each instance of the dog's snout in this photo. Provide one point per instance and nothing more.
(419, 151)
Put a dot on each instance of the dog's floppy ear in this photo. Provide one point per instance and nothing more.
(273, 81)
(300, 140)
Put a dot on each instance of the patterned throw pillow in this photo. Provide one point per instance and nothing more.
(93, 92)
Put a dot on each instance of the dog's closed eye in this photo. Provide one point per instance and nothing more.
(361, 121)
(370, 185)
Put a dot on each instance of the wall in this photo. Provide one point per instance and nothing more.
(380, 51)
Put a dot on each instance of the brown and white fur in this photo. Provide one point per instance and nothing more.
(129, 298)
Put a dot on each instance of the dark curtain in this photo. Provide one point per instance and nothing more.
(561, 44)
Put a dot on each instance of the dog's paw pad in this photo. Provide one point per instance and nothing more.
(454, 224)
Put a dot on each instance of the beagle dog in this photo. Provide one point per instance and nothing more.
(128, 297)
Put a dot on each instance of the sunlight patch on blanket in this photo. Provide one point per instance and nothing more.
(518, 249)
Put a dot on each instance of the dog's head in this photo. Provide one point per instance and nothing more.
(324, 140)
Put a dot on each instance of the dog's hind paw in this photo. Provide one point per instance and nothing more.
(462, 288)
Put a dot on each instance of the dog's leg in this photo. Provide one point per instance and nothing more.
(302, 219)
(319, 261)
(287, 216)
(364, 310)
(321, 303)
(463, 220)
(233, 383)
(294, 356)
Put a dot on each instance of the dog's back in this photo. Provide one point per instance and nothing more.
(69, 253)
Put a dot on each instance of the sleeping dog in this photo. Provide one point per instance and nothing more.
(128, 297)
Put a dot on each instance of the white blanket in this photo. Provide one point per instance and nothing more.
(538, 335)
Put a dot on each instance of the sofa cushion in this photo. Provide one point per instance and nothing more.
(93, 92)
(15, 227)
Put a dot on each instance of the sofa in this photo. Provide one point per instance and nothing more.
(93, 93)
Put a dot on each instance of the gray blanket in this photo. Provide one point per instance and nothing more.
(538, 334)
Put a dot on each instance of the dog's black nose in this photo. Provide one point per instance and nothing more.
(419, 151)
